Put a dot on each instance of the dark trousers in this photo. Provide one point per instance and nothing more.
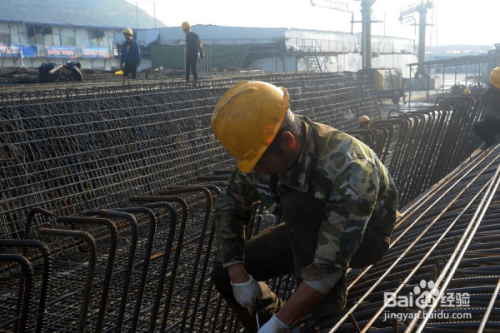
(130, 68)
(191, 66)
(285, 249)
(487, 130)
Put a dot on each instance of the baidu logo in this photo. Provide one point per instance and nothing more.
(426, 294)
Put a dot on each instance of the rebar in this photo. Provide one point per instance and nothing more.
(131, 253)
(91, 244)
(177, 254)
(109, 266)
(147, 256)
(91, 150)
(27, 278)
(166, 258)
(47, 266)
(208, 209)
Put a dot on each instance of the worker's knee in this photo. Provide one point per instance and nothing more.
(371, 250)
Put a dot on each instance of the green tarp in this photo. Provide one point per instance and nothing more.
(172, 56)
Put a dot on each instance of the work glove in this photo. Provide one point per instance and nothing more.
(274, 325)
(247, 293)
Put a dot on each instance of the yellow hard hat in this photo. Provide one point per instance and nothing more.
(363, 119)
(247, 118)
(128, 31)
(495, 77)
(466, 91)
(185, 25)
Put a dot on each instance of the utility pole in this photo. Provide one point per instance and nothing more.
(421, 39)
(366, 34)
(421, 9)
(366, 37)
(137, 10)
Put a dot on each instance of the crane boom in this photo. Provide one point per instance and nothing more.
(421, 9)
(424, 6)
(330, 4)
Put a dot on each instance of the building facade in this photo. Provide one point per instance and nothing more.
(31, 45)
(33, 32)
(287, 50)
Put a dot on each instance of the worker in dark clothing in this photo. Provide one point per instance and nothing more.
(191, 50)
(489, 127)
(130, 58)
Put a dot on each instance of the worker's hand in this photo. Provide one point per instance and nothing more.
(247, 293)
(122, 65)
(274, 325)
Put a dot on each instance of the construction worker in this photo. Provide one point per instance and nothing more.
(489, 126)
(130, 57)
(191, 50)
(336, 201)
(364, 122)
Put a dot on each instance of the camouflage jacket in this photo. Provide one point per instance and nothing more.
(333, 167)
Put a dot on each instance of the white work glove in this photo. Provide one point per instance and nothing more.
(247, 293)
(274, 325)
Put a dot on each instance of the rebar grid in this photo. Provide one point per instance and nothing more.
(436, 241)
(420, 148)
(76, 151)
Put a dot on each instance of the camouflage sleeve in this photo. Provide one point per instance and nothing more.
(350, 203)
(232, 212)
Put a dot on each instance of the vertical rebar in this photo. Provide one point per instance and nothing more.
(92, 246)
(131, 254)
(22, 325)
(113, 230)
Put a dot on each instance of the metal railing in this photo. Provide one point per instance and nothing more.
(318, 45)
(390, 48)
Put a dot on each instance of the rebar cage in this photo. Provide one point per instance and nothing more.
(107, 195)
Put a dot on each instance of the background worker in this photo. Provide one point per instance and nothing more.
(130, 57)
(336, 200)
(364, 122)
(489, 127)
(191, 50)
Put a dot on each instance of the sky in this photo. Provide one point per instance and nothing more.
(454, 21)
